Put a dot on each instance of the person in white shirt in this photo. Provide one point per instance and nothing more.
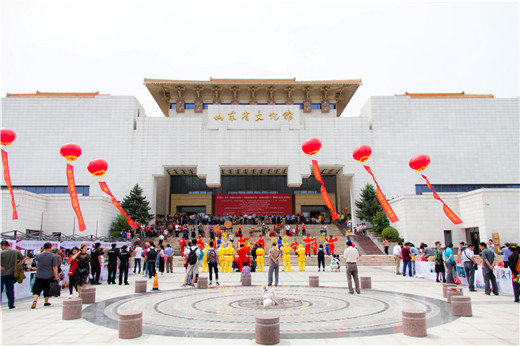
(138, 254)
(351, 255)
(193, 267)
(397, 257)
(468, 259)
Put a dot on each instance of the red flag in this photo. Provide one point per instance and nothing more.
(74, 197)
(324, 194)
(106, 190)
(7, 178)
(382, 200)
(449, 213)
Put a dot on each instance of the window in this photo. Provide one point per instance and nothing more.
(49, 189)
(316, 106)
(460, 188)
(189, 106)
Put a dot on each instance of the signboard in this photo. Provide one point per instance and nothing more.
(34, 244)
(496, 241)
(235, 205)
(253, 117)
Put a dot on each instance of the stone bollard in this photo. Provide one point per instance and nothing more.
(414, 322)
(445, 287)
(88, 294)
(130, 324)
(267, 329)
(140, 286)
(314, 281)
(461, 306)
(202, 282)
(246, 280)
(72, 309)
(453, 291)
(365, 282)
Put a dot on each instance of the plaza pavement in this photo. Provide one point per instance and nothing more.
(495, 319)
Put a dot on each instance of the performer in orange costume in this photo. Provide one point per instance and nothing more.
(200, 243)
(181, 243)
(315, 247)
(331, 244)
(261, 242)
(294, 245)
(242, 256)
(307, 240)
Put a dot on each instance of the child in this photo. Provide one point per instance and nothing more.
(334, 264)
(246, 270)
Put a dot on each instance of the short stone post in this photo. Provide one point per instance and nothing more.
(140, 286)
(453, 291)
(88, 294)
(414, 322)
(444, 289)
(267, 329)
(365, 282)
(246, 280)
(72, 309)
(130, 324)
(314, 281)
(461, 306)
(202, 282)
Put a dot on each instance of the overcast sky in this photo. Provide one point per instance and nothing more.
(111, 46)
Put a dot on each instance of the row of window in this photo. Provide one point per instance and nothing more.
(205, 106)
(248, 184)
(81, 190)
(420, 188)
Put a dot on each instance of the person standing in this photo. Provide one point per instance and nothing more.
(506, 252)
(385, 243)
(351, 255)
(274, 256)
(124, 264)
(439, 262)
(397, 257)
(212, 256)
(151, 258)
(83, 270)
(407, 259)
(113, 254)
(260, 258)
(95, 263)
(9, 258)
(138, 254)
(321, 257)
(161, 259)
(488, 263)
(449, 261)
(192, 253)
(514, 266)
(467, 257)
(73, 263)
(169, 260)
(46, 273)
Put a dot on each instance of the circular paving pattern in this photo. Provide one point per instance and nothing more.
(306, 312)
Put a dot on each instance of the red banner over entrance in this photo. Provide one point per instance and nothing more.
(253, 204)
(105, 189)
(7, 178)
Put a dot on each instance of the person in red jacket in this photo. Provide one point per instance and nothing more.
(200, 243)
(242, 256)
(73, 262)
(181, 244)
(331, 244)
(261, 242)
(307, 240)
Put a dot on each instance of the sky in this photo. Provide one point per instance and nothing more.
(394, 47)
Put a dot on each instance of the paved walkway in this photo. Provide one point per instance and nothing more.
(495, 320)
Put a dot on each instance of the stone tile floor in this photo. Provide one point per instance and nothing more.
(495, 319)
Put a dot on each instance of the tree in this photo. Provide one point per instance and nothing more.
(119, 224)
(380, 222)
(136, 206)
(368, 206)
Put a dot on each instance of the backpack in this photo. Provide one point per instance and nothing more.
(152, 254)
(192, 257)
(212, 258)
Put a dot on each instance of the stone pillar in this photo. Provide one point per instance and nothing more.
(246, 280)
(130, 324)
(414, 322)
(453, 291)
(365, 282)
(461, 306)
(445, 287)
(72, 309)
(267, 329)
(88, 294)
(314, 281)
(202, 282)
(140, 286)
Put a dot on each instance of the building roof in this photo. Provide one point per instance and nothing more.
(59, 94)
(446, 95)
(166, 91)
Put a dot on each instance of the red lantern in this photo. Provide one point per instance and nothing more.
(420, 162)
(70, 151)
(7, 136)
(362, 153)
(311, 146)
(98, 167)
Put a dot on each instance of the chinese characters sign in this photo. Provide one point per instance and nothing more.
(258, 117)
(253, 204)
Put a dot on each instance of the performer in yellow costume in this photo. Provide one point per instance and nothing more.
(286, 249)
(221, 256)
(260, 259)
(205, 259)
(301, 257)
(230, 251)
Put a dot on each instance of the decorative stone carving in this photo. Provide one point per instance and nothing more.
(179, 105)
(199, 106)
(325, 106)
(307, 106)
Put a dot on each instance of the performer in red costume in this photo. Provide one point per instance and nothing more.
(331, 244)
(294, 245)
(242, 256)
(308, 240)
(200, 243)
(261, 242)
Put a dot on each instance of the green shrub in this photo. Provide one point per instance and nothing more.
(391, 234)
(380, 221)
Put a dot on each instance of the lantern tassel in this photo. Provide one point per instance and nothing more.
(382, 200)
(323, 190)
(71, 184)
(104, 187)
(7, 178)
(449, 213)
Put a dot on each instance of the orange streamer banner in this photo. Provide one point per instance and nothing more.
(74, 197)
(449, 213)
(323, 190)
(7, 178)
(105, 189)
(382, 200)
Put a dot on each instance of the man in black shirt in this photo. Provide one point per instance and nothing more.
(113, 253)
(124, 264)
(95, 263)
